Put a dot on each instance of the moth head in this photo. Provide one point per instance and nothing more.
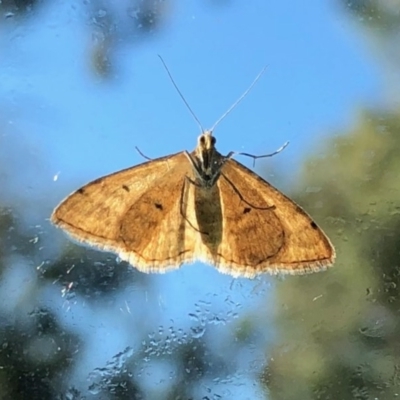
(206, 160)
(206, 141)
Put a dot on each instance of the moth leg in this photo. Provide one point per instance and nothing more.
(142, 154)
(254, 157)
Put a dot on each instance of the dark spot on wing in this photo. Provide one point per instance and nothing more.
(96, 181)
(246, 210)
(158, 206)
(313, 225)
(125, 188)
(80, 191)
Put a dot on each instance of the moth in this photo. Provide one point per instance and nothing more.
(198, 205)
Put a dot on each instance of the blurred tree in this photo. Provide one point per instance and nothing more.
(343, 326)
(339, 331)
(12, 8)
(382, 15)
(113, 24)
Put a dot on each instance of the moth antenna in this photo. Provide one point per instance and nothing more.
(264, 155)
(260, 74)
(181, 95)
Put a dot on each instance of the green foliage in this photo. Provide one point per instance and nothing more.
(383, 16)
(339, 330)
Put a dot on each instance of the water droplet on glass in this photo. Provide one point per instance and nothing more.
(198, 331)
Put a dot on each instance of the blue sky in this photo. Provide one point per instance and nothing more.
(78, 127)
(318, 71)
